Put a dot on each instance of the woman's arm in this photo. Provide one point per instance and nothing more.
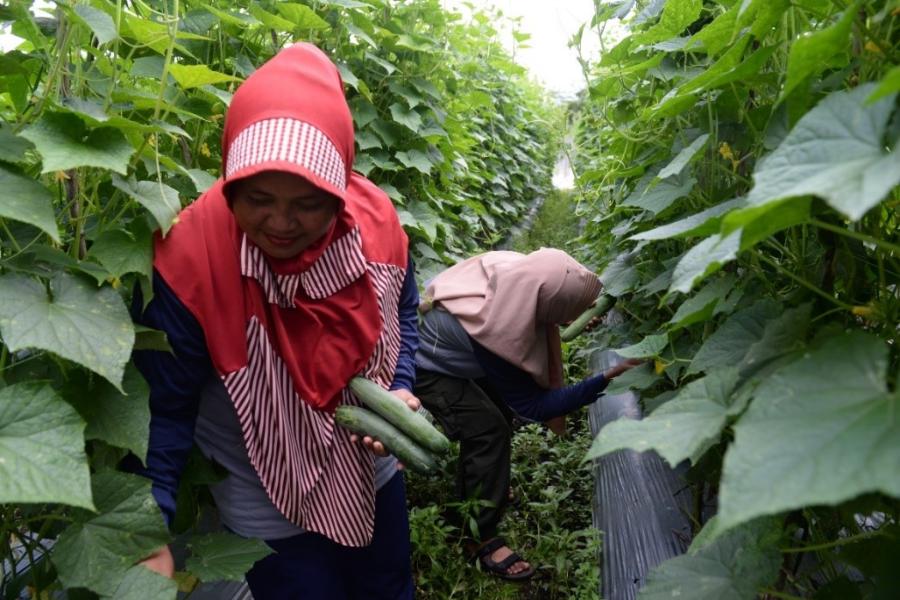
(405, 373)
(175, 382)
(526, 398)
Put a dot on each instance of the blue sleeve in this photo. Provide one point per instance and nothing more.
(405, 374)
(525, 397)
(175, 381)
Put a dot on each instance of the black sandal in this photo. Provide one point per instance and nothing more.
(500, 569)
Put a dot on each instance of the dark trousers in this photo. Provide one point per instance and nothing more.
(309, 566)
(473, 414)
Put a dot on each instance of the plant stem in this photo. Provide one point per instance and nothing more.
(841, 542)
(857, 236)
(11, 237)
(4, 356)
(800, 280)
(172, 23)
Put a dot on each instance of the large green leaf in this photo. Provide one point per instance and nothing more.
(657, 198)
(719, 70)
(121, 420)
(42, 455)
(782, 335)
(648, 347)
(97, 551)
(192, 76)
(704, 259)
(419, 215)
(752, 337)
(836, 151)
(100, 23)
(302, 17)
(140, 583)
(224, 556)
(725, 73)
(26, 200)
(676, 16)
(734, 567)
(368, 140)
(811, 54)
(620, 276)
(638, 378)
(120, 253)
(161, 200)
(415, 159)
(64, 142)
(760, 222)
(682, 428)
(702, 305)
(270, 20)
(824, 427)
(75, 320)
(681, 160)
(717, 34)
(201, 179)
(739, 229)
(44, 261)
(154, 34)
(407, 117)
(701, 223)
(890, 84)
(13, 148)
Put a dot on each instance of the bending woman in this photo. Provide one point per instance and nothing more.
(277, 286)
(490, 349)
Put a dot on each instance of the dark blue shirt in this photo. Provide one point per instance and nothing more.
(445, 347)
(525, 397)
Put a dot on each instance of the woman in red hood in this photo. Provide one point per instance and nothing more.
(278, 285)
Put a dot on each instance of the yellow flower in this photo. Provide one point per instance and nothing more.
(659, 366)
(873, 47)
(728, 154)
(204, 149)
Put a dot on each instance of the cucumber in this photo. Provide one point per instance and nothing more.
(603, 304)
(395, 410)
(366, 422)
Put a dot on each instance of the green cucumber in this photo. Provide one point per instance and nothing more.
(366, 422)
(603, 304)
(399, 414)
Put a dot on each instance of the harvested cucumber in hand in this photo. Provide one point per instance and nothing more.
(396, 412)
(603, 304)
(366, 422)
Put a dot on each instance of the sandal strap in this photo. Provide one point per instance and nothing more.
(490, 546)
(509, 561)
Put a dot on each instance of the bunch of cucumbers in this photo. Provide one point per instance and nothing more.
(407, 434)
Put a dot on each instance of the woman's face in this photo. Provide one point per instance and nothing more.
(282, 213)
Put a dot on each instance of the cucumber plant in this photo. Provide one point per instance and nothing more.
(737, 165)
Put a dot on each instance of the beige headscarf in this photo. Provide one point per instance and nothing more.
(512, 304)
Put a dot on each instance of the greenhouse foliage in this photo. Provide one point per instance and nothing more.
(737, 178)
(738, 161)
